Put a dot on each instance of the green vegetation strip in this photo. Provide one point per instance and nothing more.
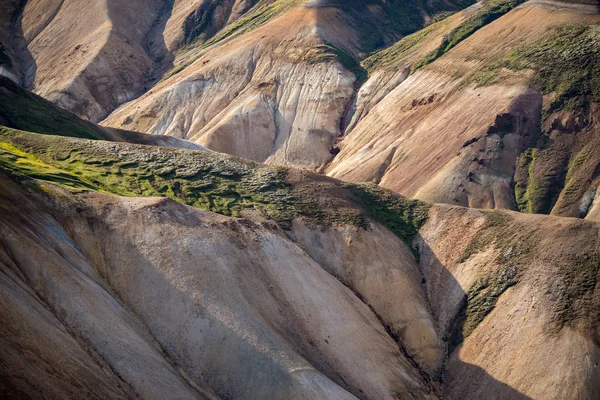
(527, 193)
(389, 56)
(262, 13)
(219, 183)
(490, 11)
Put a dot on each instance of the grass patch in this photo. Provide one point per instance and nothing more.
(491, 11)
(213, 182)
(14, 160)
(566, 64)
(216, 182)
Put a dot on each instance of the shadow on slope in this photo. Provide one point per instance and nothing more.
(23, 110)
(454, 325)
(100, 249)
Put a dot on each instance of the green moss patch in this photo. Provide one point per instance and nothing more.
(210, 181)
(527, 191)
(216, 182)
(491, 11)
(402, 216)
(566, 64)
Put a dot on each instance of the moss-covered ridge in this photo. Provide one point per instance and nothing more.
(566, 64)
(220, 183)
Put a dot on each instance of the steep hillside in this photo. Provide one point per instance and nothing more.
(276, 85)
(494, 106)
(459, 112)
(23, 110)
(91, 57)
(314, 293)
(141, 266)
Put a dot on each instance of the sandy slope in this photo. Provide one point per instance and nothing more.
(233, 307)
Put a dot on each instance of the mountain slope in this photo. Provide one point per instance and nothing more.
(108, 52)
(121, 51)
(277, 92)
(280, 82)
(299, 306)
(21, 109)
(453, 125)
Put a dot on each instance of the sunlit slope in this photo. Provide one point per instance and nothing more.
(455, 123)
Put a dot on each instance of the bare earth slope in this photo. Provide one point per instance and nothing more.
(448, 116)
(90, 57)
(278, 93)
(314, 293)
